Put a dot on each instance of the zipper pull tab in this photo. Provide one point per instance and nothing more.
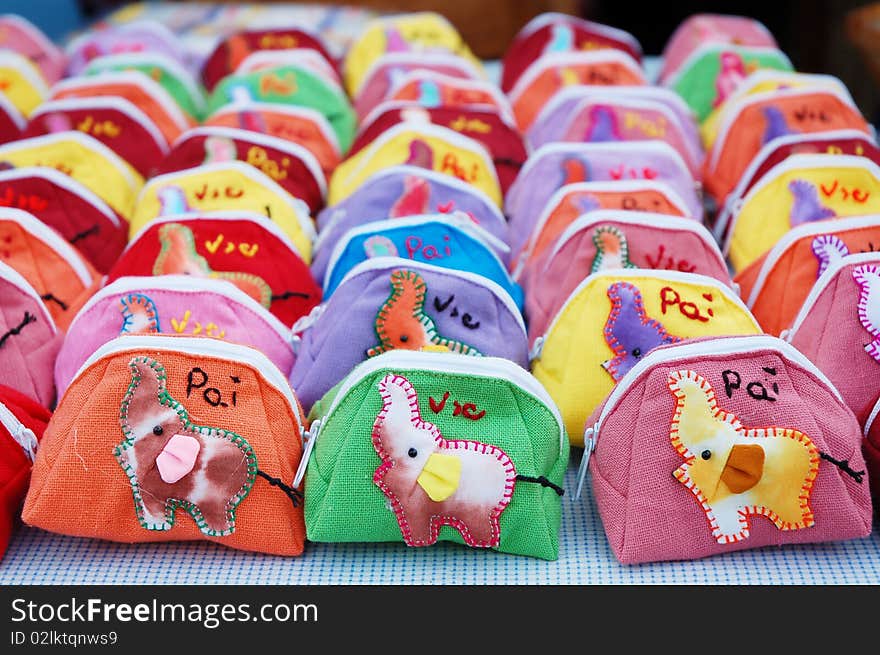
(785, 335)
(309, 438)
(535, 350)
(22, 434)
(302, 324)
(590, 435)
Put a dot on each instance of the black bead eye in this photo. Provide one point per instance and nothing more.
(412, 452)
(158, 430)
(404, 338)
(706, 454)
(637, 352)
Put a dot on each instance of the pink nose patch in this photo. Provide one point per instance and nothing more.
(178, 457)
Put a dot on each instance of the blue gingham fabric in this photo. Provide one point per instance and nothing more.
(37, 557)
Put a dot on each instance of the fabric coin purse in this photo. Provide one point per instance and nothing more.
(225, 186)
(604, 239)
(418, 144)
(174, 439)
(722, 445)
(22, 83)
(613, 318)
(500, 138)
(248, 250)
(428, 447)
(304, 57)
(836, 329)
(138, 36)
(801, 189)
(776, 285)
(445, 240)
(68, 207)
(61, 276)
(551, 72)
(293, 85)
(401, 191)
(301, 125)
(557, 164)
(29, 339)
(390, 303)
(25, 38)
(83, 159)
(115, 122)
(760, 118)
(230, 52)
(22, 422)
(555, 32)
(428, 88)
(574, 200)
(171, 304)
(293, 167)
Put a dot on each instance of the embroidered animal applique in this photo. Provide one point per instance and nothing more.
(379, 245)
(603, 125)
(420, 154)
(732, 72)
(776, 125)
(867, 276)
(178, 256)
(402, 323)
(139, 315)
(414, 200)
(736, 472)
(828, 249)
(572, 171)
(629, 332)
(172, 463)
(431, 481)
(219, 149)
(611, 249)
(172, 200)
(806, 206)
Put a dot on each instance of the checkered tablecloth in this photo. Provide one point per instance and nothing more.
(37, 557)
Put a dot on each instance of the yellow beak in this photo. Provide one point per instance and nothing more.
(440, 476)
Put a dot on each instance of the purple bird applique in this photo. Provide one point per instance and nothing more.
(776, 125)
(806, 207)
(629, 332)
(603, 125)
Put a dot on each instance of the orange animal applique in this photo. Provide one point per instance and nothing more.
(736, 472)
(402, 323)
(178, 256)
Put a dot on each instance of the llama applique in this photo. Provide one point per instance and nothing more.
(178, 256)
(172, 463)
(737, 472)
(402, 324)
(629, 332)
(139, 314)
(867, 276)
(431, 481)
(806, 206)
(612, 250)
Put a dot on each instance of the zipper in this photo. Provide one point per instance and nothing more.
(319, 120)
(304, 154)
(51, 238)
(183, 284)
(425, 59)
(22, 434)
(306, 58)
(455, 220)
(68, 184)
(104, 102)
(725, 346)
(295, 204)
(14, 277)
(743, 51)
(735, 112)
(199, 346)
(800, 232)
(794, 162)
(625, 273)
(873, 417)
(821, 284)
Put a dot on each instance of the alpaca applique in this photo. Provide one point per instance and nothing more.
(611, 249)
(867, 276)
(737, 472)
(603, 125)
(806, 207)
(172, 463)
(219, 149)
(414, 200)
(420, 154)
(172, 201)
(402, 324)
(139, 315)
(629, 332)
(732, 72)
(178, 256)
(828, 249)
(776, 125)
(431, 481)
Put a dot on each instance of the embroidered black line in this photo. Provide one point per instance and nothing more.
(289, 294)
(61, 303)
(295, 496)
(508, 161)
(843, 465)
(28, 318)
(82, 235)
(543, 481)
